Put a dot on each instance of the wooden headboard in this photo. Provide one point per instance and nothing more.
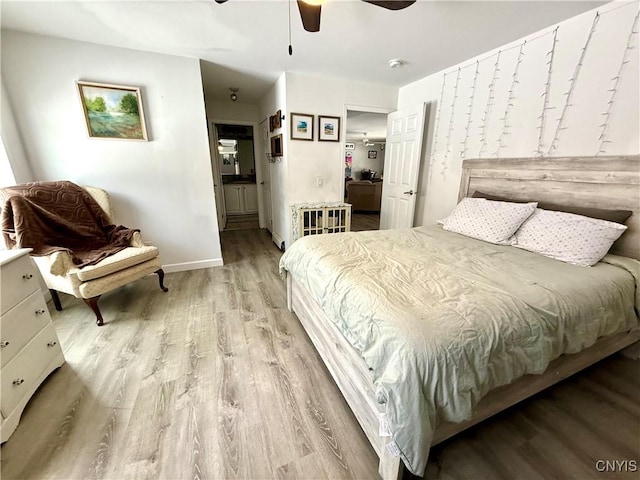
(611, 183)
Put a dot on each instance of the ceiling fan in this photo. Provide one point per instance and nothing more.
(310, 10)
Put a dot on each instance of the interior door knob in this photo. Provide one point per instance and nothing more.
(261, 183)
(410, 192)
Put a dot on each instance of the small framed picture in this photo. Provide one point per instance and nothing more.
(276, 146)
(277, 119)
(301, 126)
(349, 146)
(328, 128)
(373, 154)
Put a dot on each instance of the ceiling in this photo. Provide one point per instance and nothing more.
(244, 43)
(359, 124)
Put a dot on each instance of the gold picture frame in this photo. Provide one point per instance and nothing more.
(112, 111)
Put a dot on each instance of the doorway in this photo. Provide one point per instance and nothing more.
(236, 175)
(364, 147)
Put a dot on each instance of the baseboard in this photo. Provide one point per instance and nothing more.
(278, 240)
(183, 267)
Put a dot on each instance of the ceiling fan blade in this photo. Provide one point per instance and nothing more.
(310, 15)
(391, 4)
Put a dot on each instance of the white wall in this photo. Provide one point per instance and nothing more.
(468, 122)
(274, 100)
(163, 186)
(309, 160)
(361, 160)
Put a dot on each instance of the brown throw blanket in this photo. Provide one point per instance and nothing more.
(53, 216)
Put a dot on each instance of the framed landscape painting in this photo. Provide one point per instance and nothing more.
(301, 126)
(328, 128)
(112, 111)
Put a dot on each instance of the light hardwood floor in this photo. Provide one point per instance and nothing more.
(217, 380)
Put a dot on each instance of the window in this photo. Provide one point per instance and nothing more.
(6, 172)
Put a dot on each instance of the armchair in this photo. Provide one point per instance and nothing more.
(90, 282)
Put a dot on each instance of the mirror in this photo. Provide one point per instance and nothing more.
(235, 150)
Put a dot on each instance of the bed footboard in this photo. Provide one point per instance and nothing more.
(348, 370)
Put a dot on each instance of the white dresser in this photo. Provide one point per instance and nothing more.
(29, 347)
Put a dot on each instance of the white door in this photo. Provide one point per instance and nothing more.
(250, 198)
(265, 183)
(233, 199)
(217, 179)
(401, 166)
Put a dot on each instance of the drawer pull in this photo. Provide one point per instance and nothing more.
(4, 343)
(52, 344)
(40, 312)
(18, 381)
(27, 276)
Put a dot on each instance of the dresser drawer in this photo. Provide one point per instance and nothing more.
(19, 279)
(20, 375)
(20, 324)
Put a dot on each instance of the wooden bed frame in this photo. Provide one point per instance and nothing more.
(602, 182)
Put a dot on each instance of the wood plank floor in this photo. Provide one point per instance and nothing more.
(365, 221)
(217, 380)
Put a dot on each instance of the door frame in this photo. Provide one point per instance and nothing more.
(218, 187)
(267, 204)
(356, 108)
(257, 164)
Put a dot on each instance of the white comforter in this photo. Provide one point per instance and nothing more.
(441, 319)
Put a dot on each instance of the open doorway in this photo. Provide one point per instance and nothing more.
(364, 162)
(236, 164)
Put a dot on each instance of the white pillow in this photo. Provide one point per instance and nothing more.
(568, 237)
(493, 222)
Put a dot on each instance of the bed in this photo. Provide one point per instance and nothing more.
(406, 403)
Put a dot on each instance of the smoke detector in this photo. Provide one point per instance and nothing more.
(396, 62)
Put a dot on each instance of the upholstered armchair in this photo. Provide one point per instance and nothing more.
(90, 282)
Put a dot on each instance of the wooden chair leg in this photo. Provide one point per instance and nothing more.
(56, 299)
(160, 273)
(93, 303)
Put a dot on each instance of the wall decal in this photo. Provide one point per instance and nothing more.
(511, 95)
(434, 149)
(447, 153)
(572, 85)
(470, 110)
(545, 94)
(626, 58)
(490, 101)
